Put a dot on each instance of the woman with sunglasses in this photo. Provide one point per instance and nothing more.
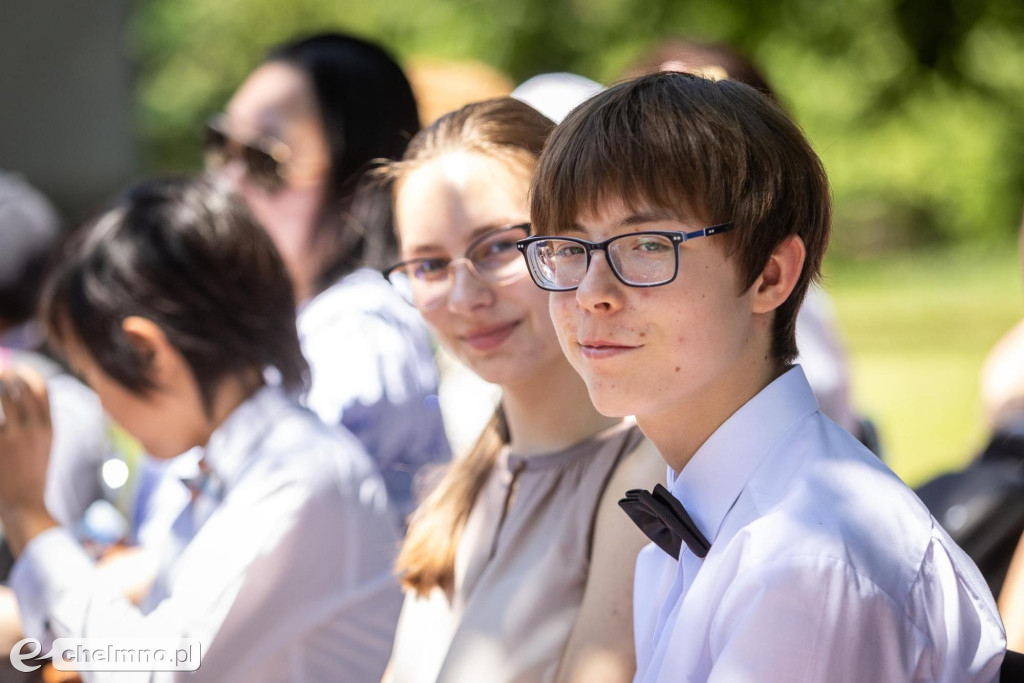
(518, 564)
(294, 142)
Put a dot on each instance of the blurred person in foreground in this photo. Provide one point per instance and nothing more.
(822, 354)
(173, 306)
(518, 565)
(294, 142)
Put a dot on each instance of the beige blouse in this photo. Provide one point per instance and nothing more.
(520, 570)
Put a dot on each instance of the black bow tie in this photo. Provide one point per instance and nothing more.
(664, 520)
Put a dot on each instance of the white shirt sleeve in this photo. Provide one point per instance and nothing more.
(45, 577)
(249, 587)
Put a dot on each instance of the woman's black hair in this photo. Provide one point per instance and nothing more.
(188, 256)
(368, 113)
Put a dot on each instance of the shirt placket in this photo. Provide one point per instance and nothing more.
(686, 571)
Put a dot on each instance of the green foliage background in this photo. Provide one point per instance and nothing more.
(916, 106)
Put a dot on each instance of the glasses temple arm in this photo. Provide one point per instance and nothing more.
(709, 231)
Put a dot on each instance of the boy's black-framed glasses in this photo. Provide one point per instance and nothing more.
(638, 259)
(492, 257)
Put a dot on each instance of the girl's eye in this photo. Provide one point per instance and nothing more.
(431, 269)
(495, 253)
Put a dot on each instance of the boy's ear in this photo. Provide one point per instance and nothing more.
(149, 340)
(780, 275)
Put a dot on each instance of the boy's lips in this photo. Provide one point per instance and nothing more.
(601, 348)
(489, 337)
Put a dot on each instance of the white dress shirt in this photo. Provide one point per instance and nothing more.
(823, 565)
(287, 579)
(373, 372)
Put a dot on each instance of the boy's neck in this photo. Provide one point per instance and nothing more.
(552, 413)
(233, 392)
(679, 431)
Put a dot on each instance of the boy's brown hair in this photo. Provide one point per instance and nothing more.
(713, 151)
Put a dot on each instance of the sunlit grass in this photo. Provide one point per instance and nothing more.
(917, 327)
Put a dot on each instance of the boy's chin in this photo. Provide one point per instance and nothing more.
(609, 404)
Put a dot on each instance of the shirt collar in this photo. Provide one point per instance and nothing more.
(233, 442)
(717, 473)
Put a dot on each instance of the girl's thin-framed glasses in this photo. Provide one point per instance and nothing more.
(492, 257)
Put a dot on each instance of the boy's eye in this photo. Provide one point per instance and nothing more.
(651, 245)
(568, 250)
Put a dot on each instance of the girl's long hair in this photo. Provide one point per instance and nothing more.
(513, 133)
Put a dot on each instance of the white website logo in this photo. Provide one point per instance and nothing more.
(112, 654)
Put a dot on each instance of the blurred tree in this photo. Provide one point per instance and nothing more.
(914, 105)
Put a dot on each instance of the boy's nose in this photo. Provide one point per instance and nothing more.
(599, 289)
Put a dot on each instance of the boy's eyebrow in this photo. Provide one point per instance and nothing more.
(632, 220)
(653, 216)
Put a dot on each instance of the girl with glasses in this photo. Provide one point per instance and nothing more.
(294, 143)
(518, 564)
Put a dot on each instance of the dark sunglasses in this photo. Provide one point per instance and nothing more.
(264, 158)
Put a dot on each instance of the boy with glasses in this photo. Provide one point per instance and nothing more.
(785, 551)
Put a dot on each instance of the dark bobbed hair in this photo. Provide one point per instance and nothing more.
(368, 112)
(715, 151)
(188, 256)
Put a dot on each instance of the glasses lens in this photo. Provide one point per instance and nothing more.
(423, 283)
(643, 259)
(557, 264)
(496, 256)
(263, 168)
